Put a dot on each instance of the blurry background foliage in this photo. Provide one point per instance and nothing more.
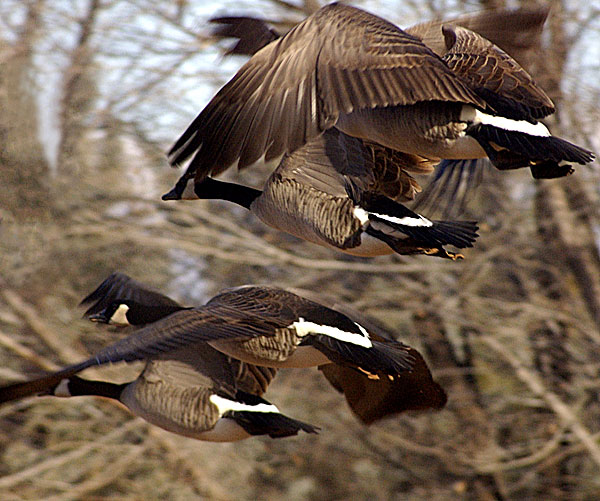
(93, 92)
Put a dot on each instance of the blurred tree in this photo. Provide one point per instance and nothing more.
(24, 173)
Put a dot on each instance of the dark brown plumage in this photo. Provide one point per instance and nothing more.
(178, 379)
(329, 192)
(346, 68)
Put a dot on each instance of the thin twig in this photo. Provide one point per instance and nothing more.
(562, 410)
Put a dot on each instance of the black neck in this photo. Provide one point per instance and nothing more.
(79, 386)
(140, 314)
(210, 188)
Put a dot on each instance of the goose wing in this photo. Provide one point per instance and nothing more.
(325, 162)
(337, 60)
(494, 75)
(121, 287)
(195, 366)
(188, 327)
(371, 398)
(515, 31)
(330, 161)
(252, 34)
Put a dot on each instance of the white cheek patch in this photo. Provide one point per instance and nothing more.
(62, 389)
(119, 317)
(363, 216)
(470, 114)
(304, 328)
(188, 192)
(224, 405)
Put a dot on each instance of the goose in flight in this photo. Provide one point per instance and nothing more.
(345, 68)
(333, 191)
(193, 391)
(157, 396)
(516, 31)
(122, 300)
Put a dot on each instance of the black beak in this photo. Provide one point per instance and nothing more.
(172, 195)
(99, 317)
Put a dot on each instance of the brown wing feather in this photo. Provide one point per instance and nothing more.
(289, 92)
(325, 162)
(372, 399)
(330, 161)
(494, 75)
(227, 316)
(515, 31)
(391, 171)
(251, 378)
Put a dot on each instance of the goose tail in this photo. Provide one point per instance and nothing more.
(547, 156)
(266, 419)
(391, 221)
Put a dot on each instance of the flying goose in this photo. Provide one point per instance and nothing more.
(516, 31)
(345, 68)
(331, 192)
(191, 391)
(194, 391)
(370, 396)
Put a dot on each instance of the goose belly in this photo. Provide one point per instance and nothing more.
(225, 430)
(369, 247)
(308, 213)
(430, 129)
(188, 417)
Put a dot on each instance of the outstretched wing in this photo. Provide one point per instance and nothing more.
(337, 60)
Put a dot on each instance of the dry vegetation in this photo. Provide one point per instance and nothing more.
(512, 332)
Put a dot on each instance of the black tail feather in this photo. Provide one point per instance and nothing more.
(274, 424)
(387, 217)
(385, 358)
(460, 234)
(525, 150)
(270, 423)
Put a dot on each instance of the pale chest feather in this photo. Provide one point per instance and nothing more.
(308, 214)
